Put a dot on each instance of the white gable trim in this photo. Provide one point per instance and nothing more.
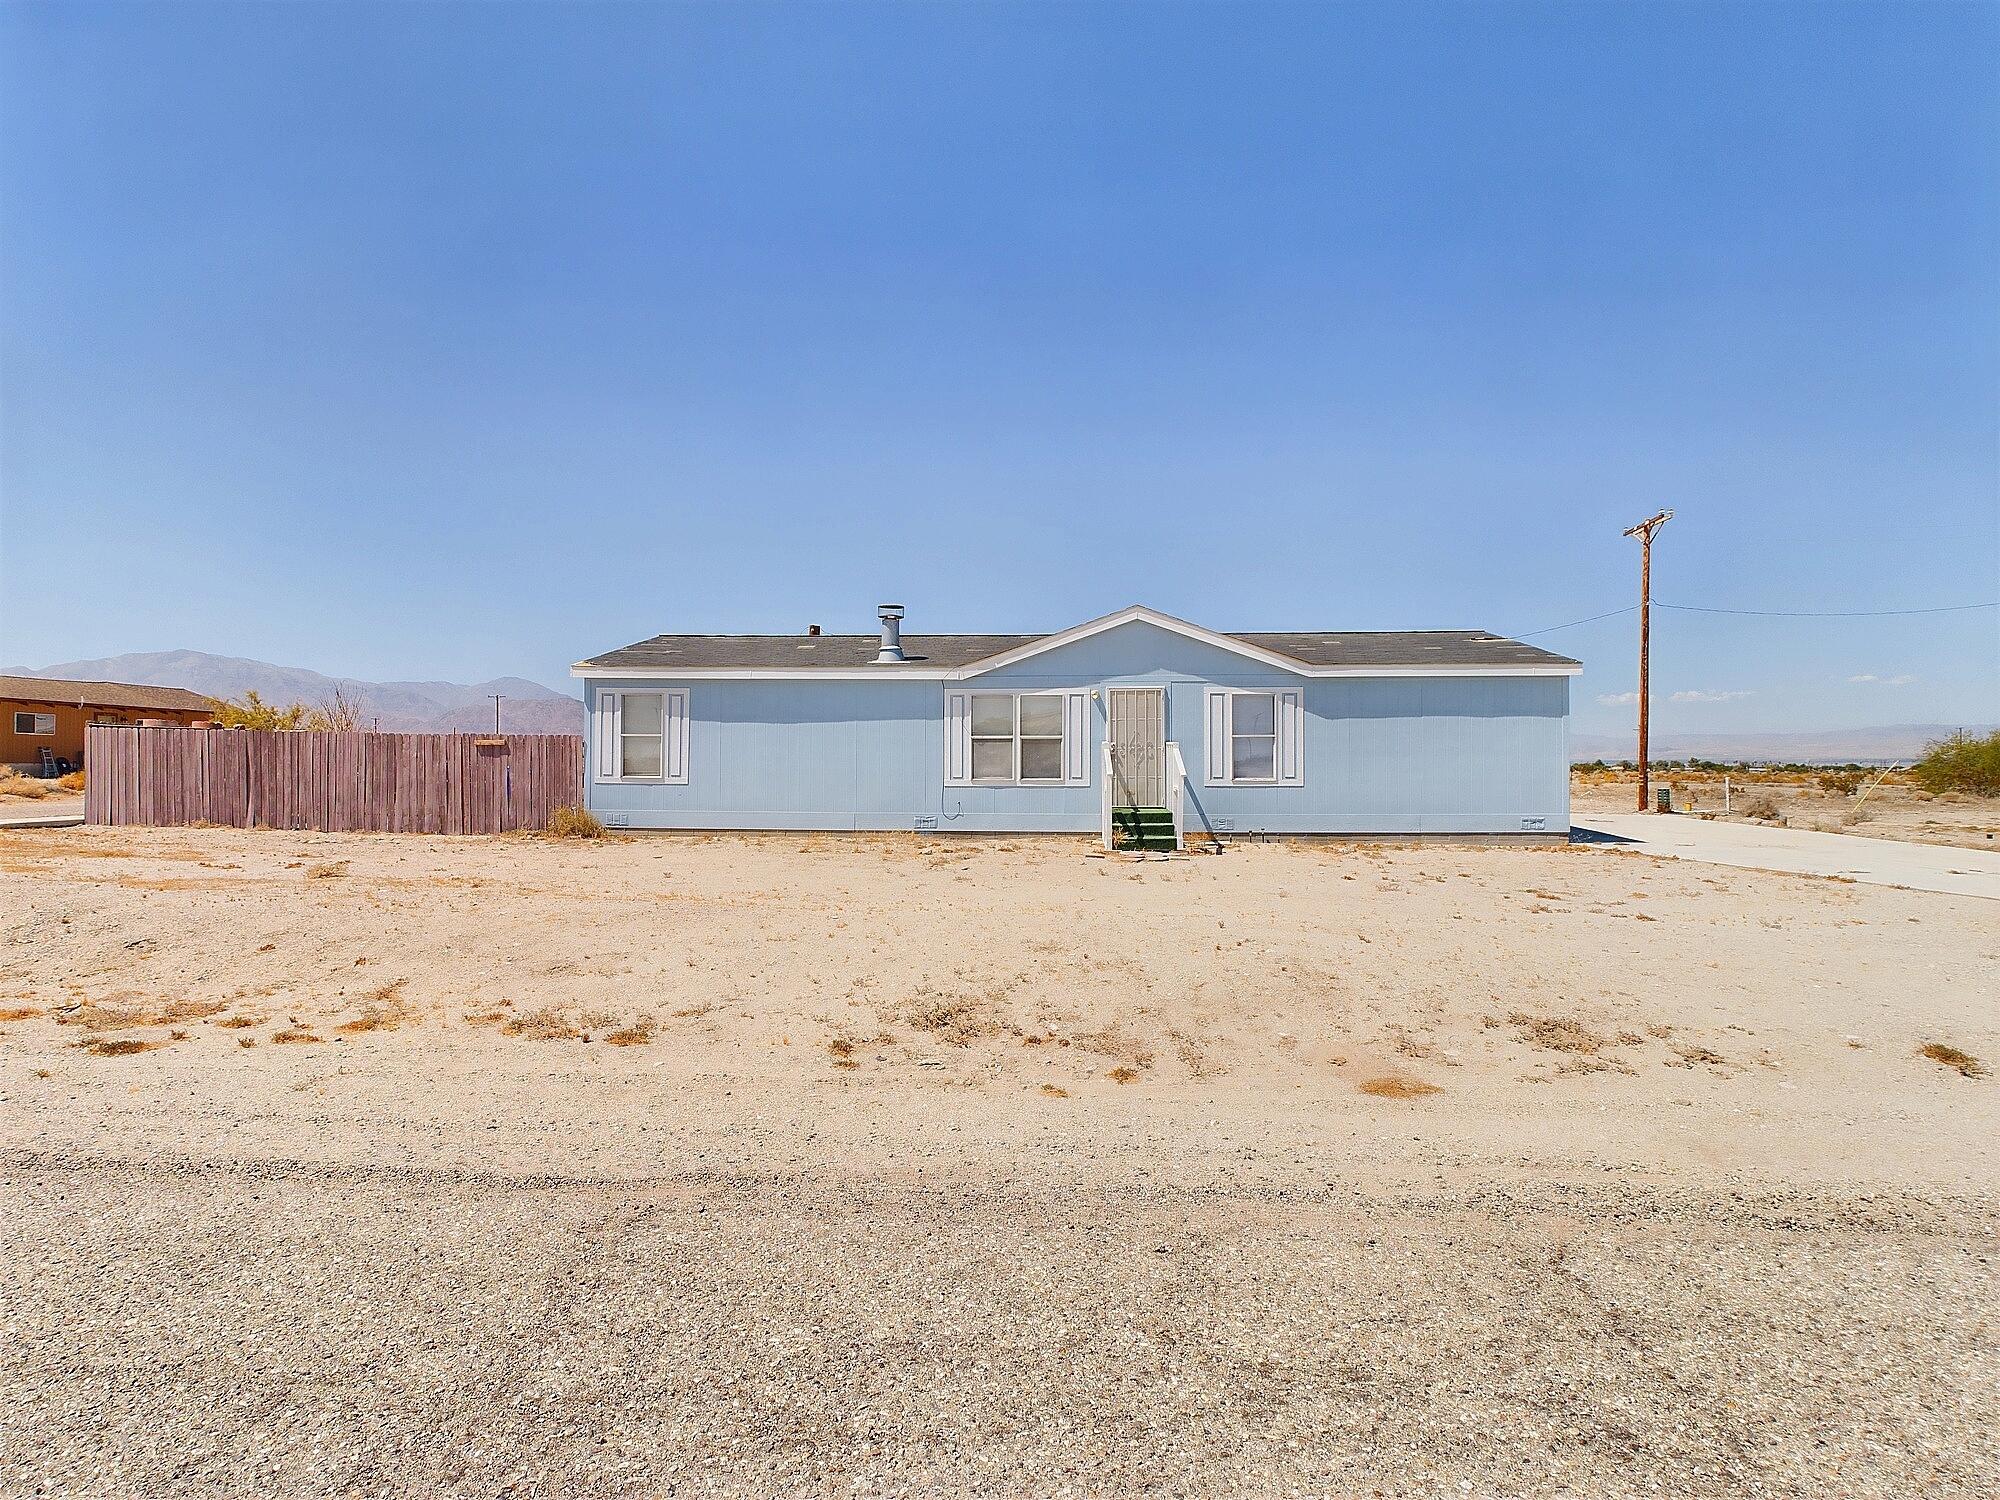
(1140, 614)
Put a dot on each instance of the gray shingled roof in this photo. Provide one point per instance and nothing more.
(1329, 648)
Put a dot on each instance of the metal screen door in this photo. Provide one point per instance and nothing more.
(1138, 747)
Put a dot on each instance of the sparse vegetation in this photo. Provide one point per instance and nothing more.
(1763, 808)
(1558, 1034)
(1961, 763)
(1963, 1063)
(123, 1046)
(1055, 1091)
(27, 788)
(251, 712)
(638, 1034)
(550, 1023)
(1123, 1074)
(574, 823)
(1398, 1086)
(295, 1036)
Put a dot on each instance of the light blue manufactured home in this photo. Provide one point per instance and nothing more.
(1136, 722)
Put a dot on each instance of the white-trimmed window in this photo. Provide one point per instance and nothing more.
(643, 736)
(1254, 737)
(1017, 739)
(32, 723)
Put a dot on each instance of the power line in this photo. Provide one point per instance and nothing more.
(1574, 623)
(1786, 614)
(1830, 614)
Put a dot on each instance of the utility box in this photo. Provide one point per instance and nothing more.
(1663, 800)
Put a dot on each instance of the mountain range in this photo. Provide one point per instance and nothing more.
(435, 707)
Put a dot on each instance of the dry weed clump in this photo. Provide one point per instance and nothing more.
(551, 1023)
(19, 1012)
(385, 1011)
(638, 1034)
(27, 788)
(573, 823)
(238, 1023)
(1114, 1042)
(1964, 1063)
(1557, 1034)
(957, 1019)
(1123, 1074)
(294, 1036)
(107, 1015)
(331, 870)
(1055, 1091)
(841, 1049)
(1398, 1086)
(1693, 1056)
(122, 1046)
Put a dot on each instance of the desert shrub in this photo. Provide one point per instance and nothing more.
(1761, 807)
(1961, 763)
(14, 784)
(73, 782)
(1842, 782)
(574, 823)
(252, 712)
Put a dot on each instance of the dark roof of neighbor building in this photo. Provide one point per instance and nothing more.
(72, 693)
(1310, 648)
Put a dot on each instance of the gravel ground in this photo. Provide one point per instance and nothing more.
(272, 1327)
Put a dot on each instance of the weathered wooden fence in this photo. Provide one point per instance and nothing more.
(338, 782)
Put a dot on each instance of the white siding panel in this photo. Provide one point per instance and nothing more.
(675, 730)
(609, 761)
(1291, 739)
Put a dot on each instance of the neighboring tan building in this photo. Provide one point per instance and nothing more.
(48, 713)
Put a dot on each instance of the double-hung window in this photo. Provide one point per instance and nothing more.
(1017, 737)
(1254, 737)
(643, 736)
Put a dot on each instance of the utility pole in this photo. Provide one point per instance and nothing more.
(1644, 532)
(496, 711)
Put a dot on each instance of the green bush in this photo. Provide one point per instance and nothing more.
(1962, 763)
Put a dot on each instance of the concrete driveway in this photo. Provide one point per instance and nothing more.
(1750, 846)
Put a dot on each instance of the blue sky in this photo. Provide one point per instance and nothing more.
(442, 340)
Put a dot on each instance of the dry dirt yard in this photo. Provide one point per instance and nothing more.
(348, 1163)
(1828, 802)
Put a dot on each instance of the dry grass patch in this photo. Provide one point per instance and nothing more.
(841, 1049)
(957, 1019)
(238, 1023)
(331, 870)
(112, 1015)
(293, 1036)
(1963, 1063)
(1398, 1086)
(122, 1046)
(551, 1023)
(1055, 1091)
(385, 1011)
(1123, 1074)
(1693, 1056)
(573, 823)
(1558, 1034)
(19, 1012)
(638, 1034)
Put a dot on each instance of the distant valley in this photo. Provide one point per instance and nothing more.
(438, 707)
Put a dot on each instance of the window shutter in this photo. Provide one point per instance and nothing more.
(1215, 764)
(957, 739)
(1291, 739)
(1076, 739)
(608, 760)
(674, 725)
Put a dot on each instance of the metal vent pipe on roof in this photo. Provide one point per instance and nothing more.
(891, 616)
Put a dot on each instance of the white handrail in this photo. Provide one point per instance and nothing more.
(1176, 791)
(1104, 797)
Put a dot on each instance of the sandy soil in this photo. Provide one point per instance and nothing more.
(1895, 809)
(734, 1164)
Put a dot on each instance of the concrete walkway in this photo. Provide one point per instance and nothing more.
(50, 812)
(1751, 846)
